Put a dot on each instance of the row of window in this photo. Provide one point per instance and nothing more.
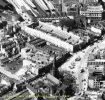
(94, 11)
(96, 84)
(99, 18)
(95, 15)
(96, 63)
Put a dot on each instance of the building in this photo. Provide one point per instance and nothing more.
(96, 62)
(66, 6)
(97, 31)
(9, 49)
(44, 85)
(65, 1)
(93, 13)
(74, 11)
(51, 80)
(87, 1)
(96, 67)
(93, 83)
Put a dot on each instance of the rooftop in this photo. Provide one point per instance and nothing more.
(13, 66)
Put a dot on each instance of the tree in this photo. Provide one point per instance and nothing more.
(70, 23)
(68, 79)
(103, 96)
(70, 82)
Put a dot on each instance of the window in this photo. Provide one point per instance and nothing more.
(102, 63)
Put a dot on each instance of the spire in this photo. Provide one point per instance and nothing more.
(64, 8)
(53, 67)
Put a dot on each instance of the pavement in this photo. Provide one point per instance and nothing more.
(76, 70)
(83, 65)
(72, 98)
(82, 78)
(68, 65)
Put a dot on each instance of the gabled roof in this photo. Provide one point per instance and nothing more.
(52, 79)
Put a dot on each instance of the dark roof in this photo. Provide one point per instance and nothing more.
(52, 79)
(3, 3)
(102, 23)
(68, 1)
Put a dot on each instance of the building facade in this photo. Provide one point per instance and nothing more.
(87, 1)
(93, 13)
(94, 84)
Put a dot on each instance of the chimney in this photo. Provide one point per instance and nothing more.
(53, 67)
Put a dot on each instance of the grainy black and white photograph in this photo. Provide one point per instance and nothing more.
(52, 50)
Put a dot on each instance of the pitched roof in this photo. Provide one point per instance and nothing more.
(52, 79)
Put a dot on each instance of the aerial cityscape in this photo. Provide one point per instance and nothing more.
(52, 49)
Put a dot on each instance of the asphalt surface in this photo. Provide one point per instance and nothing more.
(83, 77)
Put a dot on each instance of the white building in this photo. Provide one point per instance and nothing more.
(93, 83)
(92, 12)
(87, 1)
(93, 95)
(96, 30)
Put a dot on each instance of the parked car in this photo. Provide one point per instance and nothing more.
(78, 58)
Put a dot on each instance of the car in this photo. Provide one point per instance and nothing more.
(71, 67)
(73, 64)
(78, 58)
(82, 70)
